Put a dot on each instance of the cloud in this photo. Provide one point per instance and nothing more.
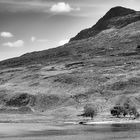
(18, 43)
(6, 34)
(63, 42)
(62, 7)
(43, 6)
(34, 39)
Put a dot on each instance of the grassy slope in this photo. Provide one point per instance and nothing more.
(96, 77)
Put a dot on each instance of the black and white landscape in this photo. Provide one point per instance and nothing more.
(94, 79)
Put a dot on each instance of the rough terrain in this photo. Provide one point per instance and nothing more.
(58, 82)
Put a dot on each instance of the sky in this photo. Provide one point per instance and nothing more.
(34, 25)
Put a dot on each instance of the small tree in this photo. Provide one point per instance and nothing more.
(89, 111)
(130, 108)
(124, 106)
(133, 111)
(116, 110)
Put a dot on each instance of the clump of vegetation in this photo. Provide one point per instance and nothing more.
(89, 111)
(18, 100)
(116, 111)
(125, 108)
(138, 47)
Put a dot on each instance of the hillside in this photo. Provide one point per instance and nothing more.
(90, 42)
(98, 69)
(116, 17)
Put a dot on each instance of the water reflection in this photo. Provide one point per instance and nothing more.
(125, 127)
(71, 132)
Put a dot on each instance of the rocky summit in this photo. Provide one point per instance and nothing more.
(116, 17)
(100, 65)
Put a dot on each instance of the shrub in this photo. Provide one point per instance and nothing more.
(89, 111)
(124, 107)
(130, 108)
(138, 47)
(18, 100)
(133, 111)
(116, 111)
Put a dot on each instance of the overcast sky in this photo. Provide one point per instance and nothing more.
(33, 25)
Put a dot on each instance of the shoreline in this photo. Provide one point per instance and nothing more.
(113, 122)
(104, 122)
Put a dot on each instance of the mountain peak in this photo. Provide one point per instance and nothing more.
(118, 11)
(106, 22)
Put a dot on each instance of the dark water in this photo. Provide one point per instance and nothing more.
(70, 132)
